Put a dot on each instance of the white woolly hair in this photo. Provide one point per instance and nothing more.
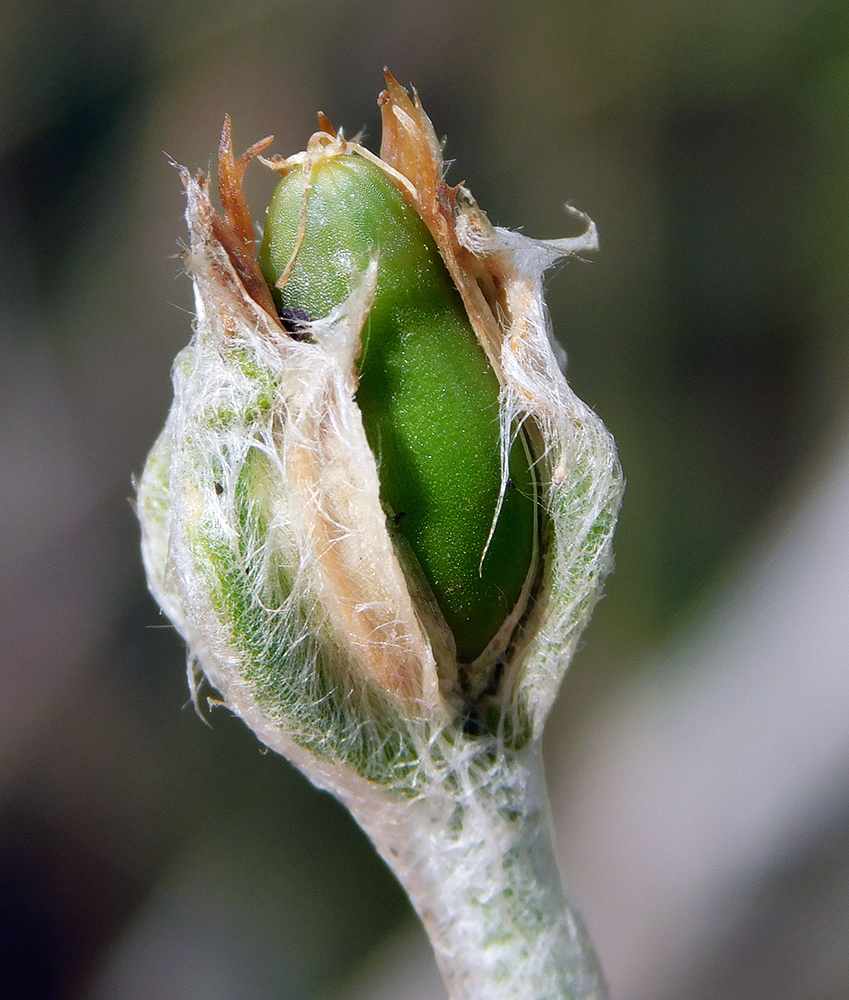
(250, 397)
(581, 476)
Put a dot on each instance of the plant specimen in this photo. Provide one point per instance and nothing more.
(380, 519)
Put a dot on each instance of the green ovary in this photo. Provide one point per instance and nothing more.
(428, 396)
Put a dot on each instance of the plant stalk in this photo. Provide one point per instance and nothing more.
(474, 851)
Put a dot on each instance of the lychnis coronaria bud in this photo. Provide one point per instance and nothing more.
(380, 519)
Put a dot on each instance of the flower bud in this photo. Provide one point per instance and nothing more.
(428, 397)
(380, 517)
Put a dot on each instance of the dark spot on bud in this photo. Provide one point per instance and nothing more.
(219, 489)
(295, 322)
(495, 676)
(511, 485)
(472, 724)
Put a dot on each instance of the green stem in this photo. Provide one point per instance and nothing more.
(474, 852)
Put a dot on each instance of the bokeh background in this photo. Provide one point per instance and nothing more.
(699, 754)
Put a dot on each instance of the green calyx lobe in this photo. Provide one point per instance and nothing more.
(428, 397)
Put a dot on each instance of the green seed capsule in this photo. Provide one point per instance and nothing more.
(428, 397)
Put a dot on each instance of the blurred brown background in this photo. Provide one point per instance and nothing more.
(699, 754)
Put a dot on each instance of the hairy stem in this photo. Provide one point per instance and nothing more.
(474, 852)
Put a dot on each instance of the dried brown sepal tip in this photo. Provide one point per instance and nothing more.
(234, 230)
(324, 124)
(410, 146)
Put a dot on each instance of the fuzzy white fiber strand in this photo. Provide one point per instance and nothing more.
(579, 468)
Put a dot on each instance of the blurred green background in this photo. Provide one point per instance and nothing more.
(145, 854)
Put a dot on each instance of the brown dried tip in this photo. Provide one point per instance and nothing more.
(324, 124)
(230, 175)
(410, 146)
(235, 231)
(409, 142)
